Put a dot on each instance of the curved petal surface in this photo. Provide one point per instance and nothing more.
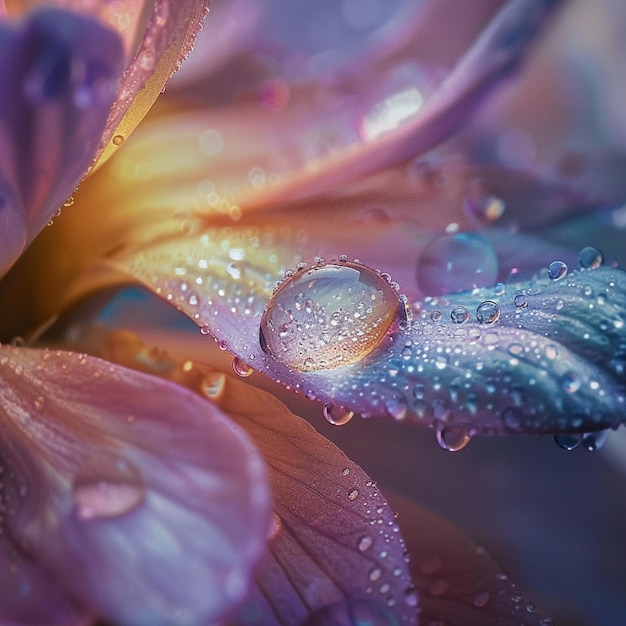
(544, 356)
(59, 74)
(139, 498)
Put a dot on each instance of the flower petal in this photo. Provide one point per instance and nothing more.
(333, 539)
(59, 73)
(547, 356)
(458, 582)
(139, 498)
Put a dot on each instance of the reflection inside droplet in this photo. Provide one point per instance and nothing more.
(107, 487)
(456, 263)
(328, 316)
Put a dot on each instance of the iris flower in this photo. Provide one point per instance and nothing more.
(357, 201)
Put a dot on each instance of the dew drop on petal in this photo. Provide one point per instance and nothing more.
(571, 382)
(107, 488)
(590, 258)
(595, 440)
(487, 312)
(459, 315)
(353, 494)
(241, 368)
(453, 438)
(337, 415)
(328, 316)
(456, 262)
(557, 270)
(117, 140)
(568, 441)
(365, 543)
(480, 599)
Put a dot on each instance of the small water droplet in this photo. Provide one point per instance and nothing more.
(396, 407)
(328, 316)
(487, 312)
(353, 494)
(117, 140)
(481, 599)
(336, 414)
(520, 301)
(453, 438)
(455, 263)
(557, 270)
(365, 543)
(241, 368)
(595, 440)
(571, 382)
(213, 384)
(107, 487)
(590, 258)
(459, 315)
(568, 441)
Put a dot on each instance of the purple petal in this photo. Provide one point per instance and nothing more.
(59, 74)
(139, 498)
(458, 582)
(545, 356)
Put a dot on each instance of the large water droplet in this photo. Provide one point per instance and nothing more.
(459, 315)
(337, 415)
(241, 368)
(107, 487)
(590, 258)
(595, 440)
(456, 263)
(567, 441)
(328, 316)
(453, 438)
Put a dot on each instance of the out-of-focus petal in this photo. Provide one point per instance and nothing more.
(458, 582)
(544, 356)
(59, 74)
(157, 35)
(140, 499)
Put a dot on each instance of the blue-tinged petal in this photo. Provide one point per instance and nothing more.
(140, 500)
(59, 75)
(545, 356)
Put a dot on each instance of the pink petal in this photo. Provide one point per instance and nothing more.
(59, 76)
(333, 538)
(139, 498)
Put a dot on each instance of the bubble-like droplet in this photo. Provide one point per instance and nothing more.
(107, 487)
(557, 270)
(241, 368)
(453, 438)
(328, 316)
(487, 312)
(595, 440)
(567, 441)
(455, 263)
(590, 258)
(459, 315)
(520, 301)
(352, 613)
(571, 382)
(336, 414)
(365, 543)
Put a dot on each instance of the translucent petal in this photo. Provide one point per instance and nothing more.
(157, 36)
(333, 538)
(139, 498)
(545, 356)
(59, 74)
